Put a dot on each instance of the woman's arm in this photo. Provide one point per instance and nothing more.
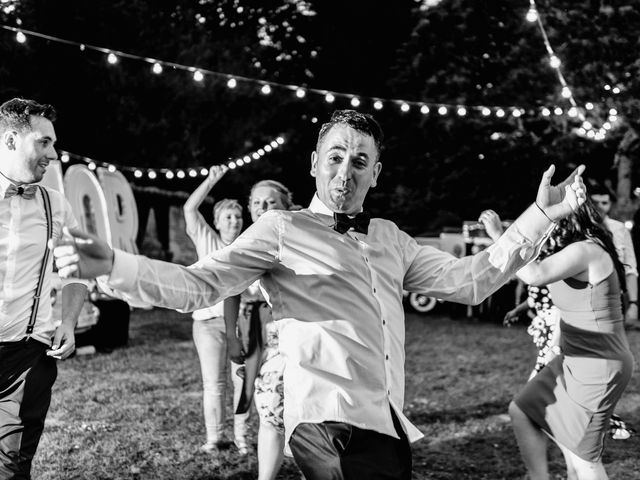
(568, 262)
(199, 194)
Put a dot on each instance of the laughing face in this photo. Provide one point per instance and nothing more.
(32, 151)
(345, 167)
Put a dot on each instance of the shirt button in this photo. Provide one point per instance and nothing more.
(386, 357)
(384, 322)
(374, 290)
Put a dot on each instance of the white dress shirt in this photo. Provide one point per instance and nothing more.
(23, 239)
(337, 300)
(624, 245)
(206, 240)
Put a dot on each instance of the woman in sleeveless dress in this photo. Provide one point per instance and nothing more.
(572, 398)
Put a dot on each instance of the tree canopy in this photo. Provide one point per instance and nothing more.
(437, 170)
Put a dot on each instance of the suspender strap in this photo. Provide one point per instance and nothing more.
(45, 260)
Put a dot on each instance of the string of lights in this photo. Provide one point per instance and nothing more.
(586, 129)
(267, 87)
(172, 173)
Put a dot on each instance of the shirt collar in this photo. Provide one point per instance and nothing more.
(318, 206)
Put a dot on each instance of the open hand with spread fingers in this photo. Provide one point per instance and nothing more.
(559, 201)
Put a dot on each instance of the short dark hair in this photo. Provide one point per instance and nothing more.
(598, 189)
(15, 114)
(362, 122)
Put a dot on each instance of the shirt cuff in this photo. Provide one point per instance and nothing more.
(124, 272)
(533, 224)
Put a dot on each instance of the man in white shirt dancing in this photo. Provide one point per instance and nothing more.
(335, 280)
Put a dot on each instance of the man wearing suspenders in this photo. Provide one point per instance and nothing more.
(30, 343)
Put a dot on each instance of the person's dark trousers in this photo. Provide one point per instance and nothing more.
(339, 451)
(26, 377)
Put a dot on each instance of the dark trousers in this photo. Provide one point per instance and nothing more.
(26, 378)
(339, 451)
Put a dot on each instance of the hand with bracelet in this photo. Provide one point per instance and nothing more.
(558, 201)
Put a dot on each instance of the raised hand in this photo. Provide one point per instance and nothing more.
(82, 255)
(491, 221)
(559, 201)
(216, 172)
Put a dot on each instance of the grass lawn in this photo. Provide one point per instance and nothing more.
(136, 413)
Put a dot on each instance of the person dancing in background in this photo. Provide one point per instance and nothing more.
(264, 371)
(572, 398)
(544, 326)
(209, 330)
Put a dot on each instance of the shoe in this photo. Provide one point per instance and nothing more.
(241, 445)
(209, 447)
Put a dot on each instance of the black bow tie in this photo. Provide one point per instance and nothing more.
(26, 191)
(360, 223)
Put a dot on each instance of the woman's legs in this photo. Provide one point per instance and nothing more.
(270, 451)
(532, 442)
(210, 340)
(580, 469)
(239, 420)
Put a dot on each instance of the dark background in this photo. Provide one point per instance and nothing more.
(437, 170)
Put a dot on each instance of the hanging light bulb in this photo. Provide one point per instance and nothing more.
(554, 61)
(516, 113)
(21, 37)
(204, 171)
(246, 159)
(255, 156)
(442, 110)
(64, 158)
(329, 98)
(239, 162)
(300, 92)
(198, 76)
(424, 109)
(266, 89)
(588, 106)
(280, 140)
(157, 68)
(232, 83)
(152, 174)
(546, 112)
(192, 173)
(557, 111)
(566, 92)
(461, 111)
(112, 58)
(377, 105)
(180, 174)
(231, 165)
(404, 107)
(573, 112)
(111, 168)
(169, 174)
(92, 166)
(355, 102)
(532, 14)
(500, 113)
(486, 111)
(137, 174)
